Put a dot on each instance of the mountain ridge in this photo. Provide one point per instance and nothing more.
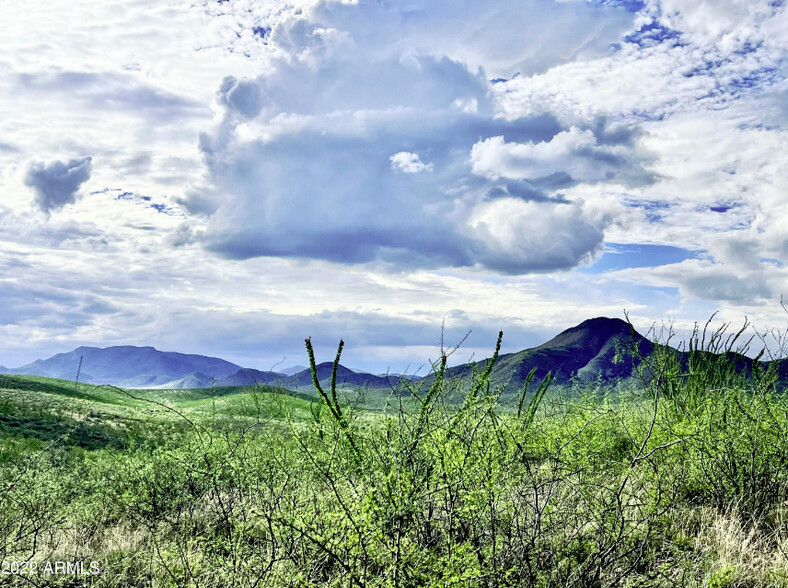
(126, 365)
(599, 348)
(595, 348)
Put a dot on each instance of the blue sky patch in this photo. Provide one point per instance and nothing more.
(618, 256)
(630, 5)
(651, 208)
(504, 80)
(721, 208)
(756, 78)
(772, 260)
(652, 34)
(261, 32)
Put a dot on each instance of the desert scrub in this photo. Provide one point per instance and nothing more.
(403, 503)
(452, 483)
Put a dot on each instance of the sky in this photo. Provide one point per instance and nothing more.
(228, 177)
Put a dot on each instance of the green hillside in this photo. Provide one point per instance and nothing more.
(450, 482)
(43, 411)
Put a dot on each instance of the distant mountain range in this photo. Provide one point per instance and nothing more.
(293, 369)
(145, 367)
(597, 348)
(127, 366)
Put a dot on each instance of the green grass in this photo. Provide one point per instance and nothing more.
(47, 409)
(680, 482)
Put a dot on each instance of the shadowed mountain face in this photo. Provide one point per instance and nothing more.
(596, 348)
(127, 366)
(251, 377)
(345, 377)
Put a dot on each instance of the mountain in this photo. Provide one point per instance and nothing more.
(251, 377)
(127, 366)
(293, 369)
(145, 367)
(596, 348)
(191, 381)
(345, 376)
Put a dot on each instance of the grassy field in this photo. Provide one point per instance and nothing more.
(680, 481)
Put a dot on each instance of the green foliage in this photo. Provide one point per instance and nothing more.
(722, 578)
(682, 481)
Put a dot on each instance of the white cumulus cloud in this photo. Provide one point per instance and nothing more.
(408, 163)
(574, 152)
(541, 236)
(356, 90)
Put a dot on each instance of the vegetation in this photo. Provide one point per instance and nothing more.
(679, 481)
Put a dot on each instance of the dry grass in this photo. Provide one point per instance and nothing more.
(737, 555)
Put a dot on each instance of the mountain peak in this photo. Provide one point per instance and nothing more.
(83, 348)
(591, 333)
(603, 322)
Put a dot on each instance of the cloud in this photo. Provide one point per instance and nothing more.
(726, 23)
(334, 196)
(502, 36)
(56, 183)
(355, 144)
(49, 307)
(243, 96)
(643, 123)
(68, 288)
(709, 280)
(110, 92)
(574, 152)
(680, 58)
(703, 86)
(529, 236)
(408, 163)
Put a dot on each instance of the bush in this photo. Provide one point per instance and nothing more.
(681, 481)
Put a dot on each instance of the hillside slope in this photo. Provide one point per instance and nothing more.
(598, 348)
